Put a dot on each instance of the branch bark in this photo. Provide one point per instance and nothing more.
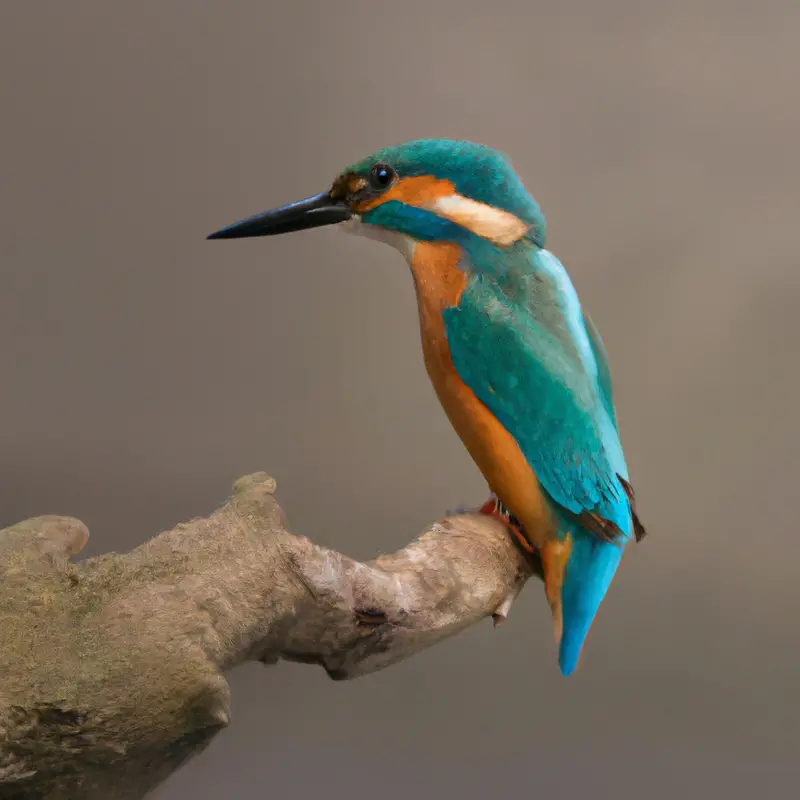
(112, 669)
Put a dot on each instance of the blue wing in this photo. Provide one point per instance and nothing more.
(521, 343)
(604, 374)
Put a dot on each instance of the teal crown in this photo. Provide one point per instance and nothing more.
(476, 171)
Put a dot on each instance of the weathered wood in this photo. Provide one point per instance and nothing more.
(112, 669)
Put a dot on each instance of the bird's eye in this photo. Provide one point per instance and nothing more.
(382, 176)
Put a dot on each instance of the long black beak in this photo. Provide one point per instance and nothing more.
(309, 213)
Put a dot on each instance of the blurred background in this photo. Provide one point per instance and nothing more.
(143, 369)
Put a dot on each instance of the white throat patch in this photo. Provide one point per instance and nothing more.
(400, 241)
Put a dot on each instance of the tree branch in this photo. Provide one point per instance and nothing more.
(111, 670)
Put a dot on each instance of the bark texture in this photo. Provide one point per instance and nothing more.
(112, 669)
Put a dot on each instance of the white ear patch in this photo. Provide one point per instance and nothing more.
(494, 224)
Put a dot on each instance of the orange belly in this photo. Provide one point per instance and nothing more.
(439, 283)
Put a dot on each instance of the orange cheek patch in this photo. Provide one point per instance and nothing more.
(412, 191)
(355, 183)
(439, 196)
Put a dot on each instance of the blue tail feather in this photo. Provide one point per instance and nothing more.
(589, 572)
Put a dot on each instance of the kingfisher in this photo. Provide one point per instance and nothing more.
(516, 362)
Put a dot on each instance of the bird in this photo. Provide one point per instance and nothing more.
(516, 362)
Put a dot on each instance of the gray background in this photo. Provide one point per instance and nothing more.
(143, 369)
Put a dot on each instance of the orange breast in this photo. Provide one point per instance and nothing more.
(439, 284)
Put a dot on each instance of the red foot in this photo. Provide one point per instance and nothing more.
(490, 508)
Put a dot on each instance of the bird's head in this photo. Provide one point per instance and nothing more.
(432, 190)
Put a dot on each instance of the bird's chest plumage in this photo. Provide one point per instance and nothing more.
(439, 283)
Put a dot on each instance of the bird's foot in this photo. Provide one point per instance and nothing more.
(494, 508)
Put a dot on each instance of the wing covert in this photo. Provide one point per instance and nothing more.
(522, 346)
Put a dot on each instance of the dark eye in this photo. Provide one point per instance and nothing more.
(381, 176)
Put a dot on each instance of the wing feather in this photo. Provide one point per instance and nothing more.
(522, 345)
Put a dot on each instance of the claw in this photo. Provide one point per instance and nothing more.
(494, 508)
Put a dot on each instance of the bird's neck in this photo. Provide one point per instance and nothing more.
(439, 277)
(439, 281)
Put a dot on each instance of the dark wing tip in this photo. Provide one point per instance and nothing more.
(639, 530)
(603, 529)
